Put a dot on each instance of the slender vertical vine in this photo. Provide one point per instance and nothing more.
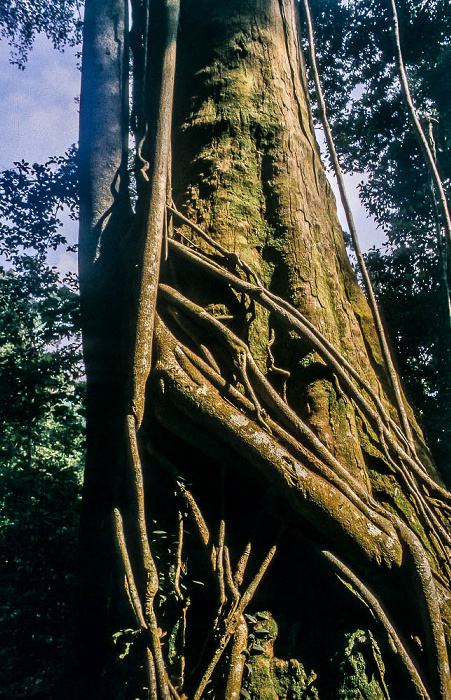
(423, 143)
(353, 231)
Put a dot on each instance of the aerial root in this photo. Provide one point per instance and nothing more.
(291, 316)
(390, 434)
(332, 469)
(278, 407)
(135, 601)
(152, 582)
(131, 585)
(433, 623)
(232, 620)
(376, 608)
(386, 354)
(230, 580)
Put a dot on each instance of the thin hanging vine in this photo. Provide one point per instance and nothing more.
(353, 231)
(425, 147)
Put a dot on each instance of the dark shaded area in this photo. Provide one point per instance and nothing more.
(316, 612)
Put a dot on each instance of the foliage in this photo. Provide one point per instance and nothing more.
(408, 284)
(41, 443)
(20, 22)
(362, 669)
(374, 137)
(32, 198)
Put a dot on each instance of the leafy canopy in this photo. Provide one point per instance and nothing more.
(22, 20)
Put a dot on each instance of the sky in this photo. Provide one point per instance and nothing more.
(39, 116)
(38, 112)
(39, 119)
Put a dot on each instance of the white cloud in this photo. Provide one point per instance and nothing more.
(38, 113)
(67, 263)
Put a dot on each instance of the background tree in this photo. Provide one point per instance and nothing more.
(41, 392)
(244, 445)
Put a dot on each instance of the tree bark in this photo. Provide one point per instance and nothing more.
(264, 415)
(104, 216)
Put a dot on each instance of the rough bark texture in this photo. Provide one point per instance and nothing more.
(247, 167)
(268, 430)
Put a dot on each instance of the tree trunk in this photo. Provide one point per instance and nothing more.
(245, 453)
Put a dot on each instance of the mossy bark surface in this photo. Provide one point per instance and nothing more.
(247, 168)
(266, 437)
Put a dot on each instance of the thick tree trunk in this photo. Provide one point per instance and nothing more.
(104, 215)
(263, 454)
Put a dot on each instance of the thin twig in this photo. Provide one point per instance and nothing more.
(220, 564)
(241, 566)
(182, 659)
(196, 514)
(229, 577)
(250, 590)
(173, 691)
(178, 566)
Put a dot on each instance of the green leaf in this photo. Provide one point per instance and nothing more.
(251, 619)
